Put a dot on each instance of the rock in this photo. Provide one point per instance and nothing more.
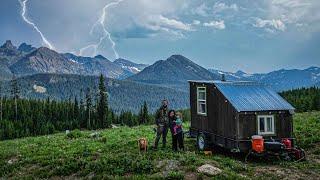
(167, 166)
(10, 161)
(209, 170)
(8, 49)
(114, 126)
(26, 48)
(39, 89)
(8, 45)
(95, 135)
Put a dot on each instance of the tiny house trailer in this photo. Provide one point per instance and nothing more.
(233, 115)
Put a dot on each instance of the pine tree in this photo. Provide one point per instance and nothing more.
(47, 109)
(140, 115)
(121, 118)
(145, 113)
(102, 107)
(1, 105)
(82, 110)
(88, 107)
(95, 121)
(112, 117)
(76, 113)
(15, 95)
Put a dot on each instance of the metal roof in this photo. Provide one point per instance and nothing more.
(251, 96)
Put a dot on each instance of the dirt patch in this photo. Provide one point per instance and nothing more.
(90, 176)
(316, 159)
(71, 177)
(13, 159)
(96, 156)
(313, 154)
(277, 172)
(190, 176)
(24, 171)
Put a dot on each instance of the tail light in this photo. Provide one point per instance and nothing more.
(287, 143)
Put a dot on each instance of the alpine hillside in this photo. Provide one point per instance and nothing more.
(122, 95)
(173, 72)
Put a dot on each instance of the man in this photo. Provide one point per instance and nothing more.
(162, 124)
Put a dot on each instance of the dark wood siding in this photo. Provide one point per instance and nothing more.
(221, 115)
(199, 122)
(248, 124)
(225, 115)
(285, 125)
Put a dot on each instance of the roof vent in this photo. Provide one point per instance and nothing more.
(223, 77)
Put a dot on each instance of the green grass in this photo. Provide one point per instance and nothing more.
(114, 154)
(307, 129)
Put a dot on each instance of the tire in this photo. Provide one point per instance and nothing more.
(303, 155)
(202, 142)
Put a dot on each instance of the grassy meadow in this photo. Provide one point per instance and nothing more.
(114, 155)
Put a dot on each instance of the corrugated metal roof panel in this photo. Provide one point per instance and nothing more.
(251, 96)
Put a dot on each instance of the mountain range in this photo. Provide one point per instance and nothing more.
(280, 80)
(27, 60)
(39, 69)
(177, 70)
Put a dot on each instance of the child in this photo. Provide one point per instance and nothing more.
(177, 128)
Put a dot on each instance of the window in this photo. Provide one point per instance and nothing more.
(201, 101)
(266, 125)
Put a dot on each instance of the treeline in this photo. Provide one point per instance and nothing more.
(89, 110)
(40, 117)
(303, 99)
(29, 117)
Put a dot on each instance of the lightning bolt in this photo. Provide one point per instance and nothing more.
(23, 15)
(106, 34)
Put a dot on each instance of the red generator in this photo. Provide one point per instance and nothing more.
(271, 147)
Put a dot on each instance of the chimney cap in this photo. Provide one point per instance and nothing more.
(223, 77)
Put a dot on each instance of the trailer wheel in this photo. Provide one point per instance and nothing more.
(202, 142)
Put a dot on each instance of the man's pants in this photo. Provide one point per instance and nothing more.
(161, 131)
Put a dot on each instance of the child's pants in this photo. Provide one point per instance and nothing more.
(177, 139)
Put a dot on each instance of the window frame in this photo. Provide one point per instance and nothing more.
(265, 117)
(202, 89)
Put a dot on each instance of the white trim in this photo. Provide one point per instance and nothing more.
(202, 89)
(265, 124)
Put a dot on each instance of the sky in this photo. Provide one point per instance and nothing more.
(230, 35)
